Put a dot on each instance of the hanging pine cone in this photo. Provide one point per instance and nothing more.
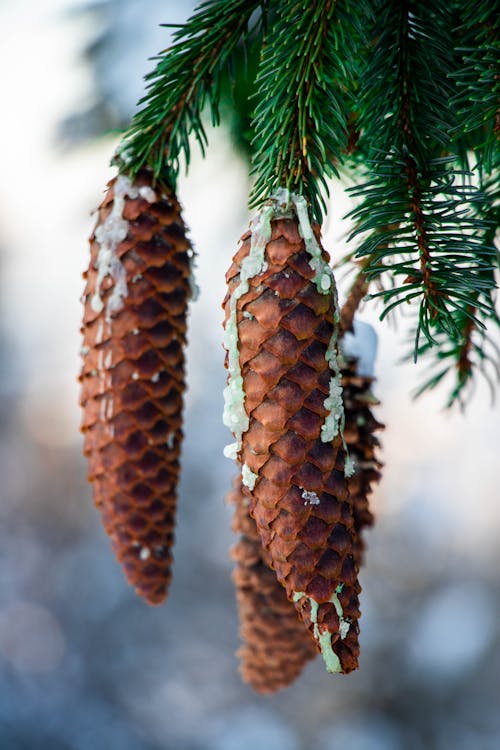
(134, 333)
(360, 424)
(284, 406)
(276, 644)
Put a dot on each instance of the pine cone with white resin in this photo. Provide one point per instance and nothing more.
(132, 379)
(280, 316)
(276, 644)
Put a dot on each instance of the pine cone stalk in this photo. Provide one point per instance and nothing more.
(132, 378)
(284, 406)
(276, 645)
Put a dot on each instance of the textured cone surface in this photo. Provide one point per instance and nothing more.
(276, 644)
(285, 326)
(132, 379)
(360, 426)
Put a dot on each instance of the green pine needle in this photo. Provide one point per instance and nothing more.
(303, 102)
(186, 79)
(477, 78)
(421, 220)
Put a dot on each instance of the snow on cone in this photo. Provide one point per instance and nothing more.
(132, 379)
(283, 403)
(276, 644)
(358, 352)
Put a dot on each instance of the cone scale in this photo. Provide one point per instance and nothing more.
(283, 403)
(132, 378)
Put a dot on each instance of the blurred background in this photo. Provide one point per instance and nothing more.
(84, 664)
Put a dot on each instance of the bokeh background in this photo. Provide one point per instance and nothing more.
(85, 665)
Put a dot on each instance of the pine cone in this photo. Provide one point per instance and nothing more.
(134, 333)
(360, 426)
(276, 644)
(358, 354)
(281, 318)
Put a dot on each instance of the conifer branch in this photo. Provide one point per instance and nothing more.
(304, 82)
(430, 291)
(464, 361)
(473, 350)
(186, 78)
(477, 77)
(354, 298)
(403, 89)
(416, 216)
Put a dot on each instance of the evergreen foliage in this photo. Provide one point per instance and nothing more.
(304, 93)
(186, 79)
(405, 94)
(477, 77)
(475, 347)
(422, 217)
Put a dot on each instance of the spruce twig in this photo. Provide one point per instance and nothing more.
(474, 350)
(436, 243)
(186, 78)
(354, 298)
(304, 84)
(477, 78)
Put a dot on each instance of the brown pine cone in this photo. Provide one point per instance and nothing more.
(359, 433)
(276, 644)
(280, 312)
(360, 425)
(132, 379)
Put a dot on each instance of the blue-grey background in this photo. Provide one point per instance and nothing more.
(84, 664)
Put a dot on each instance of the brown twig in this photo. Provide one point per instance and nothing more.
(464, 363)
(356, 294)
(430, 290)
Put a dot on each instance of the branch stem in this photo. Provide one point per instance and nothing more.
(354, 298)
